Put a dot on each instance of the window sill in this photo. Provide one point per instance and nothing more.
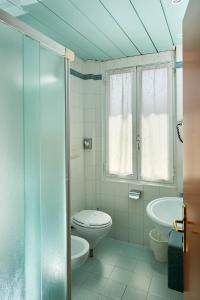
(138, 182)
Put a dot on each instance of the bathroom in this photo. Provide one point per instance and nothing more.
(130, 223)
(92, 112)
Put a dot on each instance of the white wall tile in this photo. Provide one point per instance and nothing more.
(121, 233)
(91, 87)
(76, 132)
(121, 218)
(121, 203)
(89, 116)
(167, 191)
(92, 67)
(136, 236)
(76, 84)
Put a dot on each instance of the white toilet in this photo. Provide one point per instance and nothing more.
(93, 225)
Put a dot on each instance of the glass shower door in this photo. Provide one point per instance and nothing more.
(52, 168)
(31, 62)
(44, 127)
(33, 253)
(12, 252)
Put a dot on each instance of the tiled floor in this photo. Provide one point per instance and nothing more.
(124, 271)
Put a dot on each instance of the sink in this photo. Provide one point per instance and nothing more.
(163, 212)
(79, 251)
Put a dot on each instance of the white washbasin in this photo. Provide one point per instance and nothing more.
(79, 251)
(164, 211)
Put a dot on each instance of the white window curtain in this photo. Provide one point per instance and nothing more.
(156, 145)
(119, 139)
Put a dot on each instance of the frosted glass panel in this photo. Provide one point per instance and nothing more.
(12, 166)
(52, 166)
(32, 168)
(32, 174)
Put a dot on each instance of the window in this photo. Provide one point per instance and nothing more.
(139, 124)
(120, 122)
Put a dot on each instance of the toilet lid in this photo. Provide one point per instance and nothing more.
(91, 218)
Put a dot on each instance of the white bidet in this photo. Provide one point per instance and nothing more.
(79, 251)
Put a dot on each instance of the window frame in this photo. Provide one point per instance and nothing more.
(136, 115)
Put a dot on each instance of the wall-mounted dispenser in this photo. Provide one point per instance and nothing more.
(134, 195)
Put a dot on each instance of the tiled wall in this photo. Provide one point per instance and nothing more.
(76, 136)
(93, 129)
(130, 222)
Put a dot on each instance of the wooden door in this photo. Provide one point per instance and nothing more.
(191, 90)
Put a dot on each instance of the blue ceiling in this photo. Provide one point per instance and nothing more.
(104, 29)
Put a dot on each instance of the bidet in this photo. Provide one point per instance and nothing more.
(79, 251)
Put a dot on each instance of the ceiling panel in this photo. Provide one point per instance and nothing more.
(50, 19)
(152, 16)
(55, 35)
(68, 12)
(103, 20)
(174, 14)
(104, 29)
(131, 24)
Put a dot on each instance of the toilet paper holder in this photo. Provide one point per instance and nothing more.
(134, 194)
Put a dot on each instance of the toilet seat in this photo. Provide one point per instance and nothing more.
(92, 219)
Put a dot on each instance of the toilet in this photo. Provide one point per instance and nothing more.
(93, 225)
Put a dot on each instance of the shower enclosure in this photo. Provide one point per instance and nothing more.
(34, 215)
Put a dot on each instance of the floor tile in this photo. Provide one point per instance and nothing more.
(176, 295)
(85, 295)
(122, 271)
(143, 268)
(103, 269)
(146, 255)
(141, 282)
(160, 269)
(121, 275)
(101, 297)
(154, 297)
(159, 287)
(130, 251)
(107, 257)
(78, 278)
(88, 265)
(95, 283)
(132, 293)
(126, 263)
(114, 289)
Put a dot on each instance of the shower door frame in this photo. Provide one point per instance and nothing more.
(68, 56)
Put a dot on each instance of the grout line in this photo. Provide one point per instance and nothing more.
(121, 28)
(53, 31)
(143, 25)
(163, 10)
(68, 24)
(150, 285)
(96, 26)
(124, 291)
